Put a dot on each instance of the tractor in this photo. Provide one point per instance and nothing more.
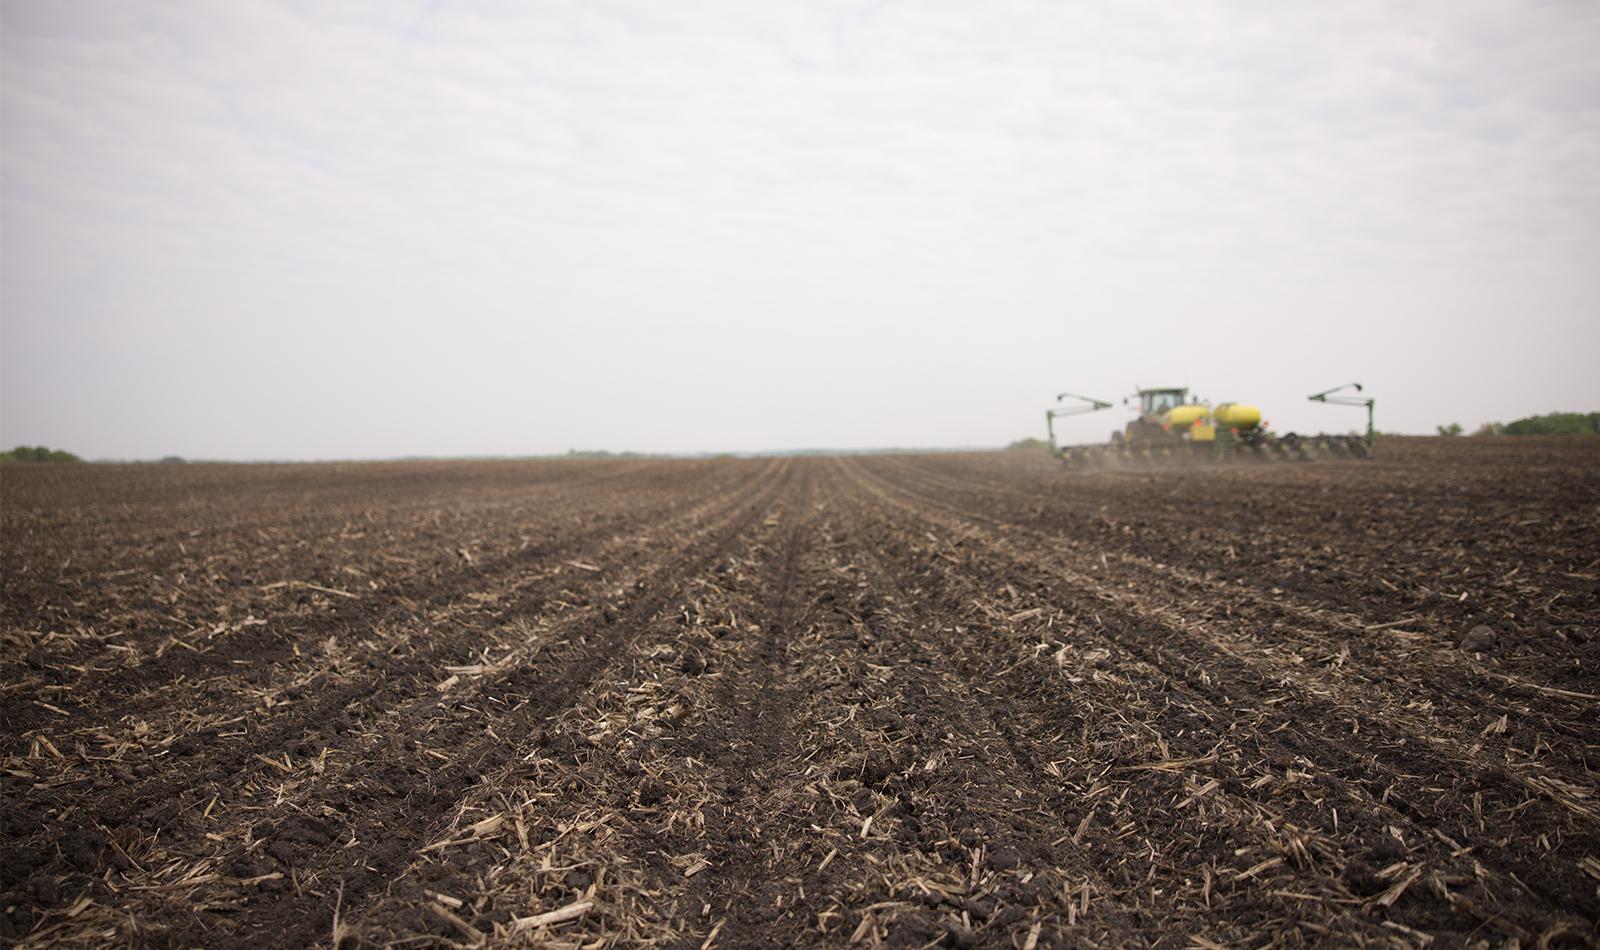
(1173, 427)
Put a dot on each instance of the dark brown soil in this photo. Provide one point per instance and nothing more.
(942, 700)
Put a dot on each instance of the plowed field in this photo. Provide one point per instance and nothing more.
(941, 700)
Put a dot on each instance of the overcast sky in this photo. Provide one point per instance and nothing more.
(314, 230)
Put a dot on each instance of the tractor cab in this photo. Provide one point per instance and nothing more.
(1154, 402)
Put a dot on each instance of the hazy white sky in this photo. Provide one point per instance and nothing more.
(313, 230)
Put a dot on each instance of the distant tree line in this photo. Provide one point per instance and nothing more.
(1554, 423)
(602, 454)
(37, 453)
(1029, 444)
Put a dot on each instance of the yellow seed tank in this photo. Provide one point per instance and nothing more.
(1235, 415)
(1179, 416)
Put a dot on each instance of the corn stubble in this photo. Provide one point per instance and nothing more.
(944, 700)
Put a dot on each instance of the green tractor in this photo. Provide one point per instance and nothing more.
(1172, 426)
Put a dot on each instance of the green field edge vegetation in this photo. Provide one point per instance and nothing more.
(1554, 423)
